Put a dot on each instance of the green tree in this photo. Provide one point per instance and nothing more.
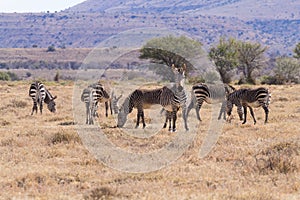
(297, 51)
(250, 57)
(172, 50)
(224, 56)
(287, 69)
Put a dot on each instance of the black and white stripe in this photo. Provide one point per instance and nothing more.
(140, 99)
(210, 94)
(91, 96)
(101, 96)
(40, 95)
(259, 97)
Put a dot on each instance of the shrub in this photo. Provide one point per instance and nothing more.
(272, 80)
(8, 76)
(51, 49)
(64, 137)
(279, 158)
(4, 76)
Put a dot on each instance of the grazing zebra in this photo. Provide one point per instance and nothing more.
(88, 97)
(203, 93)
(40, 94)
(140, 99)
(249, 98)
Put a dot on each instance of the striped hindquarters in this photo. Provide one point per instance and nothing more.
(201, 93)
(37, 92)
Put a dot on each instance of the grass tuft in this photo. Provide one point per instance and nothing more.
(64, 137)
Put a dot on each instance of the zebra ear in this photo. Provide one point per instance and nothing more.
(184, 67)
(173, 66)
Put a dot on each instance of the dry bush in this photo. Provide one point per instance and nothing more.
(68, 123)
(18, 103)
(278, 158)
(64, 137)
(100, 193)
(3, 122)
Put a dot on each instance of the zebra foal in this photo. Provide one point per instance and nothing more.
(40, 95)
(140, 99)
(259, 97)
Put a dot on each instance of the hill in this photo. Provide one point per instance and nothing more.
(89, 23)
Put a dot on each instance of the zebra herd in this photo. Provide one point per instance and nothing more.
(171, 99)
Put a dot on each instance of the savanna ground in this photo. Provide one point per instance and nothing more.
(42, 156)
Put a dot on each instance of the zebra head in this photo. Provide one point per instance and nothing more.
(179, 74)
(51, 105)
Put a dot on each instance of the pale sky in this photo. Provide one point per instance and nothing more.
(36, 5)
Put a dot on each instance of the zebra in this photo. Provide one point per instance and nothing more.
(178, 89)
(259, 97)
(91, 96)
(139, 99)
(201, 92)
(40, 94)
(88, 97)
(101, 96)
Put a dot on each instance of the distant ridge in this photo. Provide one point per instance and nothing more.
(275, 23)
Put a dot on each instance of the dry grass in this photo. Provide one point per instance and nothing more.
(42, 156)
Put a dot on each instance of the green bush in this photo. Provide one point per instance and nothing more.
(8, 76)
(272, 80)
(4, 76)
(51, 49)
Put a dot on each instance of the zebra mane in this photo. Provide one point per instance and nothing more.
(49, 97)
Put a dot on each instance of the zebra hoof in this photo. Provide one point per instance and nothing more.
(244, 122)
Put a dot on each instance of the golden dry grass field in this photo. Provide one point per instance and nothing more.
(42, 156)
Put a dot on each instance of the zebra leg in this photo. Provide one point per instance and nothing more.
(167, 118)
(252, 114)
(106, 109)
(34, 108)
(229, 107)
(240, 112)
(189, 108)
(198, 107)
(222, 111)
(41, 107)
(266, 113)
(174, 113)
(110, 106)
(184, 116)
(87, 113)
(245, 114)
(143, 119)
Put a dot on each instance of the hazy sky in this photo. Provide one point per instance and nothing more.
(36, 5)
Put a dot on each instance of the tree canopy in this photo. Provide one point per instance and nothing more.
(224, 55)
(250, 56)
(171, 50)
